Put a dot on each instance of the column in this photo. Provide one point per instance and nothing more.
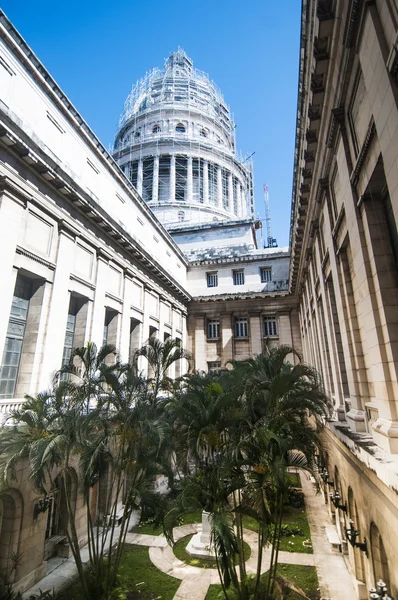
(97, 329)
(200, 344)
(140, 177)
(242, 202)
(256, 334)
(58, 312)
(12, 214)
(238, 200)
(219, 188)
(230, 192)
(227, 335)
(172, 196)
(189, 195)
(155, 180)
(128, 296)
(205, 182)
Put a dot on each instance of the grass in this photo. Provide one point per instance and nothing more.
(302, 577)
(139, 578)
(292, 517)
(294, 543)
(149, 528)
(180, 552)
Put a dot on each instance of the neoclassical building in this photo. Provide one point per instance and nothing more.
(87, 255)
(160, 239)
(343, 269)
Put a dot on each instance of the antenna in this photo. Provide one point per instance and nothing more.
(270, 242)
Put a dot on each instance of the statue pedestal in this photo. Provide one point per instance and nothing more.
(200, 544)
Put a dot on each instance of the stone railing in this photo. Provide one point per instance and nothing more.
(7, 406)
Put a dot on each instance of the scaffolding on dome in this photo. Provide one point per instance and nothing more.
(180, 137)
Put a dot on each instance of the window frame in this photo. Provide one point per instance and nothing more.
(209, 275)
(241, 325)
(270, 320)
(265, 270)
(213, 325)
(238, 274)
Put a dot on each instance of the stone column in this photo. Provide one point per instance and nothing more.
(128, 297)
(227, 338)
(219, 187)
(97, 328)
(12, 214)
(189, 180)
(140, 177)
(242, 202)
(256, 334)
(155, 180)
(205, 182)
(238, 200)
(58, 312)
(230, 192)
(200, 344)
(172, 196)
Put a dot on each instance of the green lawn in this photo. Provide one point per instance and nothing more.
(139, 578)
(292, 517)
(302, 577)
(148, 527)
(182, 554)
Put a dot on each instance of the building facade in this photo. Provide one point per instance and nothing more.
(343, 266)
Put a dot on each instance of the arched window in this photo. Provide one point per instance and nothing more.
(379, 556)
(137, 134)
(181, 216)
(203, 133)
(358, 555)
(180, 128)
(156, 129)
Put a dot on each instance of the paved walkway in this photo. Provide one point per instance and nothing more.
(334, 579)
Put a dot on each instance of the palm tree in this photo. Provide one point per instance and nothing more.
(253, 423)
(161, 356)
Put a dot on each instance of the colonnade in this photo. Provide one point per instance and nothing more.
(230, 197)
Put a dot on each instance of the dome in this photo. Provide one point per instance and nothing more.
(178, 83)
(176, 143)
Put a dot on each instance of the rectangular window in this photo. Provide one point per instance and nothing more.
(214, 365)
(270, 327)
(213, 329)
(69, 335)
(266, 274)
(13, 347)
(212, 279)
(241, 328)
(239, 277)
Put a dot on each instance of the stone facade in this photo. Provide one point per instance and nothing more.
(344, 262)
(84, 258)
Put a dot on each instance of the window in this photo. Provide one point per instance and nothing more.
(156, 129)
(69, 335)
(266, 274)
(213, 329)
(270, 327)
(203, 133)
(13, 343)
(212, 279)
(137, 134)
(180, 128)
(214, 365)
(181, 216)
(241, 328)
(239, 277)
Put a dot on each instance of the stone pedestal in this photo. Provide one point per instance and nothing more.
(200, 544)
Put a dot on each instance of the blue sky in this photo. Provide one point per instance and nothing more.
(97, 50)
